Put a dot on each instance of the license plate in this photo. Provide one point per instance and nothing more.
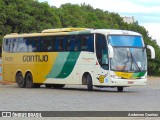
(130, 82)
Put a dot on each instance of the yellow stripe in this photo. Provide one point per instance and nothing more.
(124, 74)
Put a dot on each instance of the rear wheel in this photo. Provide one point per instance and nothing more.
(20, 80)
(120, 89)
(58, 86)
(89, 82)
(29, 80)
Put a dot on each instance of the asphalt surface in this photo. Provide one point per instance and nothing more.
(77, 98)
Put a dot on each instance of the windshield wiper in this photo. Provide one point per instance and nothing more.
(133, 60)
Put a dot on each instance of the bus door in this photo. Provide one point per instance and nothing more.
(102, 65)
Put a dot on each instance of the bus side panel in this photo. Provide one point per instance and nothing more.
(28, 62)
(64, 69)
(87, 63)
(7, 72)
(7, 67)
(41, 67)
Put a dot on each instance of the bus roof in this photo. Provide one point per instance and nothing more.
(70, 31)
(62, 30)
(115, 32)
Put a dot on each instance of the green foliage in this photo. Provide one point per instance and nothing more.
(26, 16)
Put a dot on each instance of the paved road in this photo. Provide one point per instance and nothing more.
(77, 98)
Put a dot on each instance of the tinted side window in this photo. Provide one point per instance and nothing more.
(29, 43)
(81, 43)
(6, 45)
(60, 43)
(77, 44)
(32, 44)
(36, 44)
(20, 45)
(50, 43)
(86, 42)
(71, 43)
(15, 45)
(47, 44)
(9, 45)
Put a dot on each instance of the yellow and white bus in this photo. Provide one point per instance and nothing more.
(91, 57)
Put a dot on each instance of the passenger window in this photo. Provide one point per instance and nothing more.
(77, 45)
(47, 44)
(30, 44)
(21, 45)
(71, 43)
(36, 44)
(87, 42)
(33, 44)
(6, 45)
(84, 43)
(9, 44)
(61, 43)
(15, 45)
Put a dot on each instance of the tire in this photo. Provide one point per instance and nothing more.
(48, 85)
(120, 89)
(58, 86)
(29, 80)
(89, 83)
(20, 80)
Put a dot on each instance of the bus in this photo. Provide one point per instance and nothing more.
(76, 56)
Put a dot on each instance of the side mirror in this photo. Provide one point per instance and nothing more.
(111, 52)
(152, 51)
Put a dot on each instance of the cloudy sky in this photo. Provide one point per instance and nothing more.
(146, 12)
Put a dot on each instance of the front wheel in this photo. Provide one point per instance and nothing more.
(29, 80)
(89, 82)
(20, 80)
(120, 89)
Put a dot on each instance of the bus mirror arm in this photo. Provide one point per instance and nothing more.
(152, 51)
(111, 52)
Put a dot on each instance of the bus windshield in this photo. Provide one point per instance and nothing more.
(129, 53)
(129, 59)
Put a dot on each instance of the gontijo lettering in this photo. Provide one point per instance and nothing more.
(35, 58)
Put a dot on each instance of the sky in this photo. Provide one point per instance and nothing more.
(146, 12)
